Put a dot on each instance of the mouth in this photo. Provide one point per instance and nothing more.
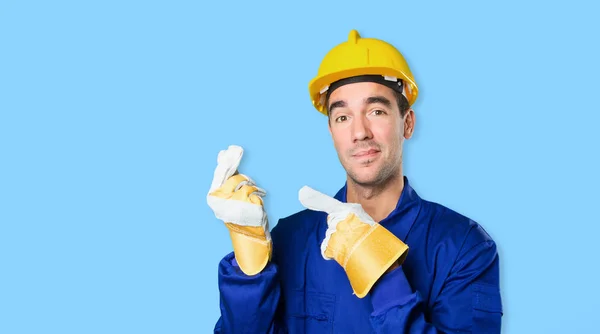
(366, 154)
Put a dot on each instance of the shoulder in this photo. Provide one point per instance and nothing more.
(454, 229)
(459, 245)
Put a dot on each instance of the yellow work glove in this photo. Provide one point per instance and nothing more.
(237, 201)
(361, 246)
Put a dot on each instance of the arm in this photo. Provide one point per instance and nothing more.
(248, 303)
(469, 301)
(248, 279)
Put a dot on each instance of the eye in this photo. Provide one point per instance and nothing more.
(378, 112)
(341, 119)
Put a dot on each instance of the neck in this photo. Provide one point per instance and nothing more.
(379, 200)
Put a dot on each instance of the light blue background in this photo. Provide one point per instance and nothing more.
(112, 114)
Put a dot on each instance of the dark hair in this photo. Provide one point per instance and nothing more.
(403, 105)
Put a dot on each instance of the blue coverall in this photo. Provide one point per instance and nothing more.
(449, 282)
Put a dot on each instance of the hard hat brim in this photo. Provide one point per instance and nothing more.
(318, 83)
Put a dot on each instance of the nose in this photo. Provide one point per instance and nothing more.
(361, 129)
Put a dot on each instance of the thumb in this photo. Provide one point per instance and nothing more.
(314, 200)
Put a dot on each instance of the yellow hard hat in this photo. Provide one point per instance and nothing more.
(361, 56)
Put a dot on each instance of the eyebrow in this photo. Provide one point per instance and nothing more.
(336, 104)
(379, 99)
(370, 100)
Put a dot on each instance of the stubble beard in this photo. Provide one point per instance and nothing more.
(388, 171)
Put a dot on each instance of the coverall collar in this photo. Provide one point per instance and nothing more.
(406, 210)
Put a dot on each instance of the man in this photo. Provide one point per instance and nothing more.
(376, 258)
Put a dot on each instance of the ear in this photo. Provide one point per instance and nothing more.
(409, 123)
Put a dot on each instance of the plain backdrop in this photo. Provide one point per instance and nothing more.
(112, 114)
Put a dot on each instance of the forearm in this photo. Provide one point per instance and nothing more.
(248, 304)
(397, 308)
(469, 301)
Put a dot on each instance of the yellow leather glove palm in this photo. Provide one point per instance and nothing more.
(237, 201)
(361, 246)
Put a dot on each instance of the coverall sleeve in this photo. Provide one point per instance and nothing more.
(469, 301)
(248, 304)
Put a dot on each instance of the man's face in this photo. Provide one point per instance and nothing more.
(368, 131)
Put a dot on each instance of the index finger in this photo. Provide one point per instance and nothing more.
(315, 200)
(228, 162)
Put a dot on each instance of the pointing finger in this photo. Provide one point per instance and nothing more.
(315, 200)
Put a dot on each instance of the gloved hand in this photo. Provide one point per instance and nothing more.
(237, 201)
(361, 246)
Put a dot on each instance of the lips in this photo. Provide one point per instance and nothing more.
(365, 153)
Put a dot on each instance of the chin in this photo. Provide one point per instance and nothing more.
(364, 177)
